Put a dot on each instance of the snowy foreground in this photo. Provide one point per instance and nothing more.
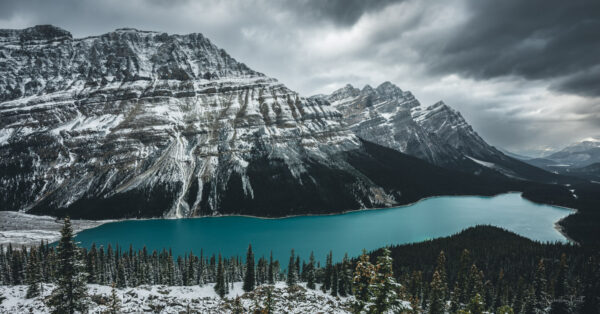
(181, 299)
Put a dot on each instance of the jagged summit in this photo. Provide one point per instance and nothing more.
(122, 55)
(439, 134)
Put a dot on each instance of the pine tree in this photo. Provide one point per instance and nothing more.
(591, 290)
(297, 265)
(345, 277)
(220, 286)
(384, 285)
(270, 275)
(437, 303)
(70, 294)
(334, 281)
(114, 304)
(310, 272)
(476, 305)
(561, 289)
(441, 269)
(33, 275)
(363, 276)
(463, 278)
(539, 287)
(328, 272)
(249, 275)
(505, 309)
(269, 302)
(292, 278)
(121, 282)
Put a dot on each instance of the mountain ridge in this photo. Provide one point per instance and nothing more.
(146, 124)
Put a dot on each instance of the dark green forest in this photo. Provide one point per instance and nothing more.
(480, 269)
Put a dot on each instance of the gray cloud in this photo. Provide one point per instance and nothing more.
(540, 39)
(341, 12)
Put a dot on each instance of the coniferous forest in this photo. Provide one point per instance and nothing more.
(482, 269)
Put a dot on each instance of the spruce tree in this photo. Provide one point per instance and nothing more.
(476, 305)
(561, 289)
(437, 304)
(297, 265)
(334, 281)
(539, 287)
(114, 304)
(249, 275)
(385, 286)
(292, 276)
(328, 272)
(220, 286)
(270, 275)
(310, 272)
(33, 275)
(441, 269)
(591, 290)
(70, 294)
(363, 276)
(345, 277)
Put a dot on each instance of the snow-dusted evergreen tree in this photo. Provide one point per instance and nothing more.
(292, 276)
(363, 277)
(70, 294)
(334, 281)
(114, 303)
(539, 287)
(249, 278)
(328, 272)
(220, 286)
(384, 285)
(345, 277)
(441, 269)
(270, 274)
(476, 305)
(437, 304)
(310, 272)
(33, 275)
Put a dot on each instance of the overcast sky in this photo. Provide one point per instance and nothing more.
(525, 74)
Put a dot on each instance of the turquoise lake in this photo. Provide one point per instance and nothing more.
(350, 232)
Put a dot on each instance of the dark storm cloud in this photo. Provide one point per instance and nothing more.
(538, 39)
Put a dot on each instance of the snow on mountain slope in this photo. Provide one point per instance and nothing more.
(145, 124)
(580, 154)
(384, 116)
(438, 134)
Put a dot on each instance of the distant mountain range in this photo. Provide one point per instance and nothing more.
(581, 159)
(146, 124)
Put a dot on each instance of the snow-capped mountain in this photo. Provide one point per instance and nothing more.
(135, 124)
(580, 154)
(393, 118)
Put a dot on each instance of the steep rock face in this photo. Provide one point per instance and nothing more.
(384, 116)
(146, 124)
(149, 123)
(438, 134)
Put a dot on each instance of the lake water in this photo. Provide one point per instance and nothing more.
(350, 232)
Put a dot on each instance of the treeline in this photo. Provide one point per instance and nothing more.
(481, 269)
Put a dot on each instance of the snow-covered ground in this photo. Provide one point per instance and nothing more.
(181, 299)
(24, 229)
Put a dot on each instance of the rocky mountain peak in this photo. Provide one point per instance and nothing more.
(389, 89)
(35, 33)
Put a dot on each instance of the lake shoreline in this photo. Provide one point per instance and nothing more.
(35, 235)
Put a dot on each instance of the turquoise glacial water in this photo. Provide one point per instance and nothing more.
(349, 232)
